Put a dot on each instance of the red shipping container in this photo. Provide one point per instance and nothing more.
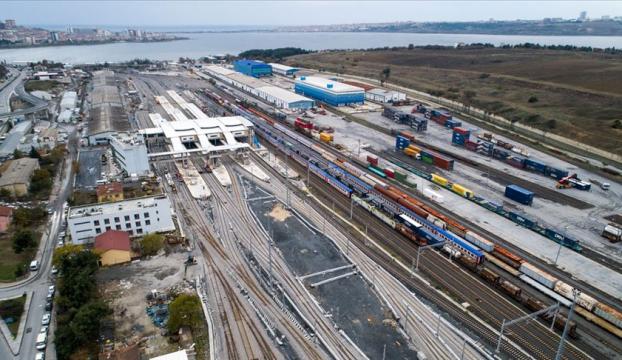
(443, 163)
(461, 131)
(407, 134)
(389, 173)
(372, 160)
(470, 145)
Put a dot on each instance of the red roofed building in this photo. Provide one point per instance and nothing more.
(113, 247)
(109, 192)
(6, 216)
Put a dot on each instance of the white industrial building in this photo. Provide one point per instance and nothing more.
(136, 216)
(275, 95)
(203, 135)
(130, 153)
(66, 116)
(283, 69)
(384, 96)
(69, 101)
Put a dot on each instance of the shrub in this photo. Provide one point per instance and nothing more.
(532, 99)
(151, 243)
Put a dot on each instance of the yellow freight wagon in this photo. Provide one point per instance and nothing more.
(439, 180)
(462, 191)
(325, 137)
(410, 152)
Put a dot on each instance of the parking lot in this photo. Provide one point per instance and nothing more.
(90, 168)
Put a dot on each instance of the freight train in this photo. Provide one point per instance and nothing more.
(425, 225)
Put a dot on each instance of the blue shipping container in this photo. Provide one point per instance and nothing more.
(500, 154)
(401, 142)
(555, 173)
(519, 194)
(535, 165)
(521, 220)
(452, 123)
(458, 139)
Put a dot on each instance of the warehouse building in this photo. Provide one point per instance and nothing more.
(136, 216)
(16, 178)
(252, 68)
(384, 96)
(107, 114)
(69, 101)
(283, 69)
(329, 91)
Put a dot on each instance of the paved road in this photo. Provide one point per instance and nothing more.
(39, 282)
(7, 91)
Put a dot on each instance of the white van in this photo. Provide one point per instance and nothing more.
(34, 265)
(42, 339)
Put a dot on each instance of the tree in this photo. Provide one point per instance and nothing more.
(384, 75)
(151, 243)
(5, 195)
(34, 153)
(77, 285)
(617, 124)
(532, 99)
(17, 154)
(41, 180)
(185, 310)
(551, 124)
(85, 324)
(411, 46)
(23, 239)
(66, 251)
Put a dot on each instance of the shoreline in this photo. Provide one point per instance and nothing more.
(84, 43)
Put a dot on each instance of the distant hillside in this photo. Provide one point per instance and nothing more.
(576, 94)
(539, 27)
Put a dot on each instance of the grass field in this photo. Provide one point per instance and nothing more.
(41, 85)
(9, 260)
(574, 94)
(13, 309)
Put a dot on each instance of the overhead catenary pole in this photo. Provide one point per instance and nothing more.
(560, 350)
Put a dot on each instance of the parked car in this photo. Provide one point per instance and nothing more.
(51, 289)
(46, 319)
(54, 270)
(34, 265)
(48, 305)
(41, 343)
(40, 356)
(44, 329)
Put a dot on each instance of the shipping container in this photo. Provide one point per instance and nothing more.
(585, 301)
(519, 194)
(516, 161)
(401, 142)
(535, 165)
(389, 173)
(490, 276)
(555, 173)
(612, 233)
(538, 275)
(462, 131)
(427, 160)
(500, 154)
(480, 241)
(415, 148)
(410, 152)
(462, 191)
(407, 134)
(510, 289)
(325, 137)
(608, 313)
(443, 162)
(439, 180)
(372, 159)
(450, 123)
(521, 220)
(470, 145)
(458, 139)
(399, 175)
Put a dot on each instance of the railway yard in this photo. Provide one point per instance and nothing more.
(316, 249)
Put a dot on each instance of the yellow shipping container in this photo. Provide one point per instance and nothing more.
(459, 189)
(326, 137)
(410, 152)
(439, 180)
(414, 148)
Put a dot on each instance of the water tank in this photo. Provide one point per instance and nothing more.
(303, 78)
(330, 86)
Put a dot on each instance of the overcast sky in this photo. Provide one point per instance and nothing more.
(162, 13)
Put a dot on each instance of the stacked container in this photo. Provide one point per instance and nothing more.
(460, 136)
(516, 161)
(401, 142)
(500, 154)
(535, 165)
(372, 159)
(451, 123)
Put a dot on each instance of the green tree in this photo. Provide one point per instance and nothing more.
(34, 153)
(551, 124)
(151, 243)
(23, 239)
(532, 99)
(5, 195)
(77, 285)
(384, 75)
(17, 154)
(66, 251)
(40, 181)
(85, 324)
(185, 310)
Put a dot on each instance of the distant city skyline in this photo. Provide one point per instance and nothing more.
(282, 13)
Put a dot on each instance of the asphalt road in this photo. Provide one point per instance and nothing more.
(7, 91)
(42, 279)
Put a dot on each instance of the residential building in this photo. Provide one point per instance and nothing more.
(252, 68)
(16, 178)
(9, 24)
(329, 91)
(384, 96)
(113, 247)
(6, 216)
(109, 192)
(136, 216)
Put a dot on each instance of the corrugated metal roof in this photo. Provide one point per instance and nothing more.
(282, 67)
(323, 83)
(285, 95)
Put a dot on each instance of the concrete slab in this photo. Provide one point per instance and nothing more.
(222, 175)
(253, 169)
(279, 165)
(193, 180)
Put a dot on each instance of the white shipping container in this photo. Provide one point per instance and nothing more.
(583, 300)
(480, 241)
(538, 275)
(433, 195)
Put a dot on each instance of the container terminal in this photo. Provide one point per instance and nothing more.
(327, 217)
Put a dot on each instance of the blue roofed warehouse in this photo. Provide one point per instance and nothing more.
(252, 68)
(329, 91)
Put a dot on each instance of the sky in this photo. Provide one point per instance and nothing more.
(221, 13)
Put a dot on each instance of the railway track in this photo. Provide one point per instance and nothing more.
(539, 341)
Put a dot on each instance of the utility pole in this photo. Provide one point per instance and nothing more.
(422, 248)
(351, 207)
(560, 350)
(270, 258)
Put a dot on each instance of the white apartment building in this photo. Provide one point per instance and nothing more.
(136, 216)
